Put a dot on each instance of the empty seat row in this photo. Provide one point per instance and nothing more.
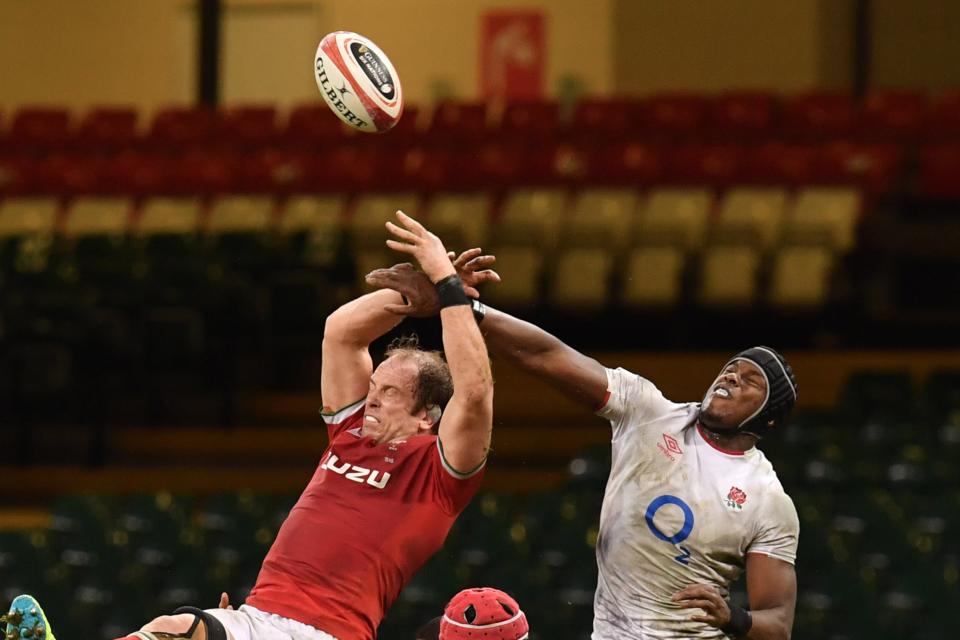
(611, 219)
(735, 115)
(876, 168)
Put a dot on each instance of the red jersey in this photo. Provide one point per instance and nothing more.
(370, 517)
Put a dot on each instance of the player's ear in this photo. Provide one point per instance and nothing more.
(431, 417)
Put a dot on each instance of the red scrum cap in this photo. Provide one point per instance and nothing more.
(483, 614)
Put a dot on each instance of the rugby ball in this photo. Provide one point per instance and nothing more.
(358, 82)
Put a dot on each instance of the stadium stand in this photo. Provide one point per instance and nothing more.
(166, 273)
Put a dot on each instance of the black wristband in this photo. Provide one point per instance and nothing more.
(451, 293)
(740, 622)
(479, 310)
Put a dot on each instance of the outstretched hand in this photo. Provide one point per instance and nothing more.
(415, 240)
(703, 596)
(474, 269)
(422, 300)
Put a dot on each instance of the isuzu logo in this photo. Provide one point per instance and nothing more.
(356, 473)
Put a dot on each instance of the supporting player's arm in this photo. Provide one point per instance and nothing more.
(772, 590)
(468, 420)
(347, 334)
(525, 345)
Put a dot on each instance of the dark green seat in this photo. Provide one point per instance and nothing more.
(941, 397)
(877, 396)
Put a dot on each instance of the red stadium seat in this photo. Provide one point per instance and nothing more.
(313, 126)
(874, 167)
(713, 165)
(17, 175)
(819, 116)
(743, 115)
(893, 115)
(107, 129)
(183, 128)
(458, 123)
(597, 121)
(778, 163)
(626, 164)
(535, 121)
(496, 165)
(340, 169)
(137, 174)
(39, 130)
(405, 133)
(416, 168)
(268, 171)
(942, 120)
(249, 126)
(64, 175)
(674, 116)
(203, 173)
(552, 165)
(940, 171)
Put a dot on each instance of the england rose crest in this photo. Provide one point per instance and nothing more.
(736, 498)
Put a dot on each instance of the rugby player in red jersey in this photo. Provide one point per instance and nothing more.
(391, 482)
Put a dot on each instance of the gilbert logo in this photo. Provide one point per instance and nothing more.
(358, 474)
(669, 447)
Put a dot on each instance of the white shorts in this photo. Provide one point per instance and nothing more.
(249, 623)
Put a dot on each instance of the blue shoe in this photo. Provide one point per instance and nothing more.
(26, 621)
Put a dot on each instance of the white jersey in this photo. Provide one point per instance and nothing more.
(677, 510)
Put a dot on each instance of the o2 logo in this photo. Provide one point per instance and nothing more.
(679, 536)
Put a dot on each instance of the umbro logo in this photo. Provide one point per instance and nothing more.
(669, 447)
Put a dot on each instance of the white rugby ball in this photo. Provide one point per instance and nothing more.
(358, 82)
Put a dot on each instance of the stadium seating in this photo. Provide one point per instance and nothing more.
(864, 542)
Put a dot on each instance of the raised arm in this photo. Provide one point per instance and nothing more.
(525, 345)
(347, 334)
(467, 422)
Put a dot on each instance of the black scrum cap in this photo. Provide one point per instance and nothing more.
(781, 389)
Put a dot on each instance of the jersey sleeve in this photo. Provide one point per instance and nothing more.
(454, 488)
(631, 400)
(342, 419)
(779, 529)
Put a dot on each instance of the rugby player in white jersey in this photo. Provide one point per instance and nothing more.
(690, 503)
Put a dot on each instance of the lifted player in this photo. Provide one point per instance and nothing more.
(389, 486)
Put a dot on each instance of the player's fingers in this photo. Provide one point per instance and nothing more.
(410, 223)
(401, 247)
(697, 603)
(381, 280)
(471, 292)
(707, 619)
(466, 257)
(481, 262)
(486, 276)
(695, 591)
(224, 601)
(398, 309)
(402, 234)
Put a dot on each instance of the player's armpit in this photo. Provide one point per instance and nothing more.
(772, 590)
